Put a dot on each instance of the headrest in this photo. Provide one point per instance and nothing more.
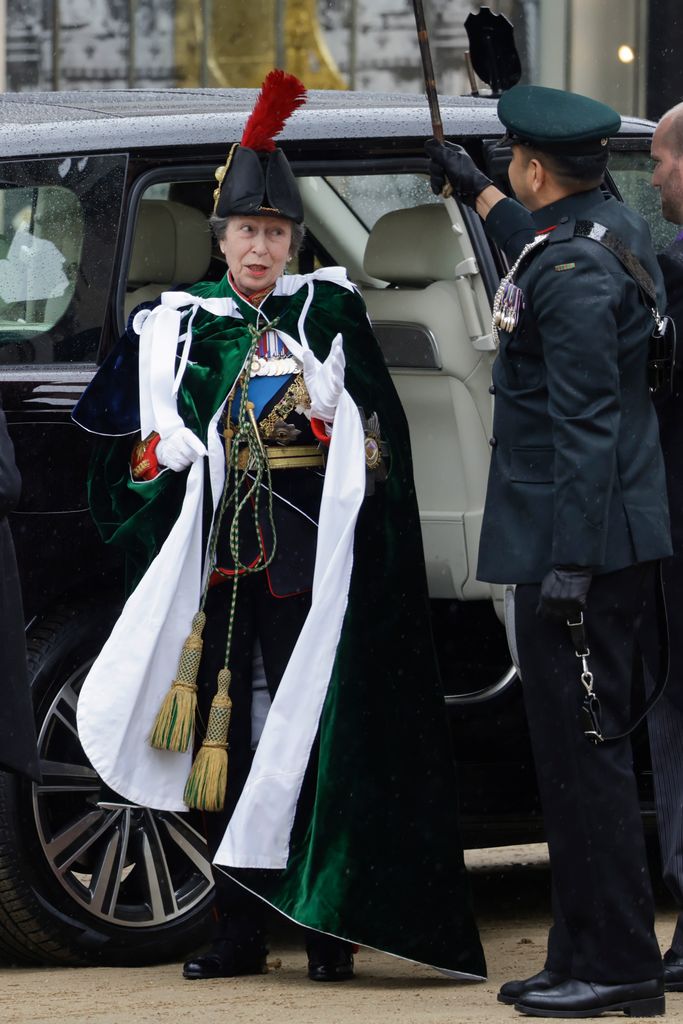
(412, 247)
(172, 244)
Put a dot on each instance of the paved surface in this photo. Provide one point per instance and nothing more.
(511, 891)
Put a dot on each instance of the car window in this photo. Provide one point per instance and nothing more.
(169, 245)
(58, 223)
(370, 196)
(631, 171)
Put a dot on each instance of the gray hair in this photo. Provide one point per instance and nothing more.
(219, 226)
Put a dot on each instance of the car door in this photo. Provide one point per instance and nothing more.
(58, 232)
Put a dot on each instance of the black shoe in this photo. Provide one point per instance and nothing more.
(512, 991)
(673, 972)
(591, 998)
(225, 959)
(329, 959)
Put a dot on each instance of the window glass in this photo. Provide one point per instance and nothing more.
(632, 174)
(41, 240)
(172, 243)
(169, 246)
(370, 196)
(58, 225)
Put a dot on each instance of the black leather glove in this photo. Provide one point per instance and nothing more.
(563, 592)
(448, 162)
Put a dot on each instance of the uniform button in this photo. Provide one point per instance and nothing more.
(492, 389)
(493, 441)
(564, 220)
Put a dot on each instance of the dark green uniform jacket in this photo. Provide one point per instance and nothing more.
(576, 475)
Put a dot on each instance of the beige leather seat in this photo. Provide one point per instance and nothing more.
(172, 246)
(424, 322)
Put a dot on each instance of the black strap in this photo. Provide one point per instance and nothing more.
(590, 709)
(662, 348)
(606, 237)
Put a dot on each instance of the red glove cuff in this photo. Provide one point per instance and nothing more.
(144, 464)
(319, 431)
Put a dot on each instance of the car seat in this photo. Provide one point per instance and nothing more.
(429, 327)
(171, 248)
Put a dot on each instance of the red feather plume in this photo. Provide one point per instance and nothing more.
(279, 97)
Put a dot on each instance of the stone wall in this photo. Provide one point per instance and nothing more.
(95, 45)
(96, 48)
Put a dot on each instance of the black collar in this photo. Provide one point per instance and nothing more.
(573, 206)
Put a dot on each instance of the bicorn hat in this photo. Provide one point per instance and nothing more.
(256, 179)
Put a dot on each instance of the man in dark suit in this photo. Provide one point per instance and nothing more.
(576, 515)
(665, 721)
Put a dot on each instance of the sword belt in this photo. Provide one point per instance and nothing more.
(303, 456)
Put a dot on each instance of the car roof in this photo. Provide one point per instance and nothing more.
(61, 123)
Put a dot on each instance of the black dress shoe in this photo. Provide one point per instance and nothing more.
(591, 998)
(512, 991)
(673, 972)
(329, 959)
(225, 959)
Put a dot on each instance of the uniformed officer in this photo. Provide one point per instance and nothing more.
(576, 515)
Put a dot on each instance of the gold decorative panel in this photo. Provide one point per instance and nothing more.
(241, 45)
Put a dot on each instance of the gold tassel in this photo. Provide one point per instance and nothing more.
(208, 780)
(174, 724)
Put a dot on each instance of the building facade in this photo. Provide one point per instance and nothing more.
(625, 52)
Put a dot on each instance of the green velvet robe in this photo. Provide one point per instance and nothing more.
(376, 854)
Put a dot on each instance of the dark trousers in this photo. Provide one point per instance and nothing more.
(665, 725)
(603, 913)
(276, 622)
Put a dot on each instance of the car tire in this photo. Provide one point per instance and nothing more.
(85, 877)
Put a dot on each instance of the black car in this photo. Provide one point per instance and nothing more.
(103, 204)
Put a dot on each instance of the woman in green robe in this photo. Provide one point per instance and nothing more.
(306, 557)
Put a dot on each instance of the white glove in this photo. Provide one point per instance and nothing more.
(180, 449)
(325, 383)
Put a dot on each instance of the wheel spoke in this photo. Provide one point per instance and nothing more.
(64, 710)
(79, 836)
(191, 844)
(160, 886)
(106, 879)
(61, 777)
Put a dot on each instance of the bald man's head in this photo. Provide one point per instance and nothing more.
(672, 123)
(667, 153)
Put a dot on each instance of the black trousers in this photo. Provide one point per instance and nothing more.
(665, 725)
(276, 622)
(603, 913)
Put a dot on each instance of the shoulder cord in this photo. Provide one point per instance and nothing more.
(235, 495)
(207, 782)
(505, 282)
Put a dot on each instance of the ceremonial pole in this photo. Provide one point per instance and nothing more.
(430, 81)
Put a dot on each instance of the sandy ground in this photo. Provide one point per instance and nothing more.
(511, 890)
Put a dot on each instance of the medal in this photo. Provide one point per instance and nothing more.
(272, 358)
(506, 316)
(508, 301)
